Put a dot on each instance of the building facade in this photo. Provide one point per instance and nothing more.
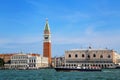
(28, 61)
(19, 61)
(58, 61)
(44, 62)
(36, 62)
(117, 59)
(47, 43)
(103, 58)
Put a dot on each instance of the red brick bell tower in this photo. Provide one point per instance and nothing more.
(47, 43)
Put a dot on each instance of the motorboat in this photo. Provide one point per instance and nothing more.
(78, 68)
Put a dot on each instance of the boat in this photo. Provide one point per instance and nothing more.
(117, 67)
(81, 69)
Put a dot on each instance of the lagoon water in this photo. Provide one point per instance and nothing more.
(51, 74)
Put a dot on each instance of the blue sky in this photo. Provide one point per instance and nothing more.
(73, 23)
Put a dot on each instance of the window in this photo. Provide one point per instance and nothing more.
(101, 56)
(83, 55)
(94, 55)
(34, 60)
(69, 56)
(46, 37)
(76, 55)
(29, 60)
(88, 56)
(109, 56)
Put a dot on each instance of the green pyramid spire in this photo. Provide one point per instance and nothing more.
(47, 26)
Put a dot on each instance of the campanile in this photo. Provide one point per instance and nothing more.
(47, 43)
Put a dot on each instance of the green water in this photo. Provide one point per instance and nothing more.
(51, 74)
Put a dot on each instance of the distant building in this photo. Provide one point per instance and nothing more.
(28, 61)
(19, 61)
(47, 43)
(6, 57)
(58, 61)
(36, 62)
(117, 58)
(91, 57)
(53, 62)
(33, 54)
(44, 62)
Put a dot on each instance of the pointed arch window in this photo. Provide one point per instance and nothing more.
(101, 56)
(76, 55)
(83, 55)
(88, 56)
(109, 56)
(94, 55)
(69, 55)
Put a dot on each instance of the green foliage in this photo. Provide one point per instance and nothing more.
(8, 62)
(1, 62)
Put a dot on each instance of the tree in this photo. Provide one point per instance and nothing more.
(8, 62)
(1, 62)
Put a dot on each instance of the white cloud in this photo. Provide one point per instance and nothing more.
(4, 41)
(16, 42)
(98, 40)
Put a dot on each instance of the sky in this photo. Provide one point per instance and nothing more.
(74, 24)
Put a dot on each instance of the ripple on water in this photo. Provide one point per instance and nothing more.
(50, 74)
